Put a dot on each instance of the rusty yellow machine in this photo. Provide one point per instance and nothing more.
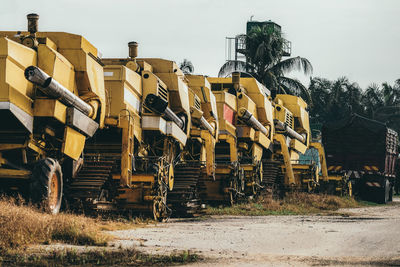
(198, 156)
(246, 126)
(52, 98)
(284, 171)
(141, 154)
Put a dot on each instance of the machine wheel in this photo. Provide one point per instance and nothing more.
(257, 180)
(46, 186)
(383, 193)
(242, 181)
(233, 190)
(160, 210)
(391, 192)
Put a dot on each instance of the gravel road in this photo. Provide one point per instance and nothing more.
(363, 236)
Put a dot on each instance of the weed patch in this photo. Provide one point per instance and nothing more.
(292, 204)
(70, 257)
(22, 225)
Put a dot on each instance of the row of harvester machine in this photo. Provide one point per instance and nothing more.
(156, 141)
(137, 134)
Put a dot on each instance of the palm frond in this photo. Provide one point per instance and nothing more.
(294, 63)
(234, 65)
(186, 66)
(296, 86)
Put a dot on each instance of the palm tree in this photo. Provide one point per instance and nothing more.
(186, 66)
(334, 100)
(264, 52)
(383, 103)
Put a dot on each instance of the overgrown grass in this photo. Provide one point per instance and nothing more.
(69, 257)
(22, 225)
(292, 204)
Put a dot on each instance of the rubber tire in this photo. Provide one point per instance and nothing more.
(40, 184)
(391, 192)
(383, 193)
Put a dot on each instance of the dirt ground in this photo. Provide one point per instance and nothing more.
(362, 236)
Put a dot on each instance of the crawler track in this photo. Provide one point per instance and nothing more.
(184, 198)
(272, 177)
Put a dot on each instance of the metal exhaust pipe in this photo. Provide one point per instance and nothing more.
(252, 121)
(33, 23)
(292, 133)
(52, 88)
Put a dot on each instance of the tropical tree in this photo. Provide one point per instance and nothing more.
(334, 100)
(383, 103)
(186, 66)
(264, 51)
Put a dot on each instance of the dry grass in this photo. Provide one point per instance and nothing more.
(123, 257)
(293, 204)
(22, 225)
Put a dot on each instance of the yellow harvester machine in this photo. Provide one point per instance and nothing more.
(51, 99)
(283, 171)
(245, 118)
(129, 165)
(198, 157)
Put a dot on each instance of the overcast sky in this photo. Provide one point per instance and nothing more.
(359, 39)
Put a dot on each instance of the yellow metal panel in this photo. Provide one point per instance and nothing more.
(134, 80)
(151, 83)
(335, 177)
(219, 80)
(50, 108)
(299, 146)
(122, 73)
(247, 167)
(245, 102)
(16, 79)
(19, 99)
(257, 152)
(246, 132)
(69, 41)
(14, 58)
(14, 174)
(143, 178)
(144, 65)
(262, 139)
(289, 176)
(163, 66)
(292, 101)
(178, 90)
(73, 144)
(57, 66)
(223, 170)
(298, 107)
(231, 101)
(49, 43)
(18, 53)
(209, 152)
(233, 147)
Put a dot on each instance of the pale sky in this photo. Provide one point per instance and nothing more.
(359, 39)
